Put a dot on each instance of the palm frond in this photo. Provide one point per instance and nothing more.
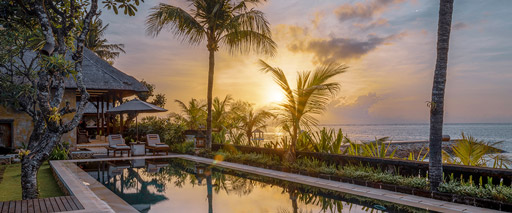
(181, 23)
(249, 41)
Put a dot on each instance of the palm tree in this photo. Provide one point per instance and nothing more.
(251, 120)
(220, 22)
(310, 98)
(96, 42)
(220, 111)
(194, 114)
(437, 102)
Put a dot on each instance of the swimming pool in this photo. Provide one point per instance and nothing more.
(178, 185)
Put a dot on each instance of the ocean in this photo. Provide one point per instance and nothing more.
(489, 132)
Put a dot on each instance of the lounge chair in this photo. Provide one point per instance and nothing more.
(155, 145)
(83, 136)
(116, 143)
(155, 165)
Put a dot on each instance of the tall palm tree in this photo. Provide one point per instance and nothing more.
(310, 98)
(194, 113)
(229, 23)
(96, 42)
(437, 102)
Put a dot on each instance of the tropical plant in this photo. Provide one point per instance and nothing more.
(419, 156)
(375, 149)
(60, 152)
(438, 88)
(193, 115)
(328, 141)
(311, 97)
(472, 152)
(170, 132)
(96, 42)
(220, 112)
(250, 120)
(227, 23)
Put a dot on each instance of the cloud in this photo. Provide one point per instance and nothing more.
(377, 23)
(460, 26)
(317, 18)
(359, 111)
(363, 10)
(336, 49)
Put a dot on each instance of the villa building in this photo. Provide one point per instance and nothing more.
(107, 87)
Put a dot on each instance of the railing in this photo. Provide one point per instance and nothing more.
(396, 166)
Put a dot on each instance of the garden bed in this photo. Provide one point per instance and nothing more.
(408, 185)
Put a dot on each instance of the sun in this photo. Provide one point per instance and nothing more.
(275, 96)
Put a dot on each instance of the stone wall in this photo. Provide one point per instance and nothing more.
(23, 125)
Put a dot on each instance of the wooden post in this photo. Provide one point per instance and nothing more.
(121, 118)
(103, 117)
(108, 115)
(98, 117)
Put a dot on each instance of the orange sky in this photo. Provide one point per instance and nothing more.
(389, 46)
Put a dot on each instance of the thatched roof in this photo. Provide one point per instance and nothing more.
(99, 74)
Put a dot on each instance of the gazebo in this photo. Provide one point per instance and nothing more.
(108, 87)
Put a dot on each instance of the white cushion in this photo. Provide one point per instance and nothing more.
(117, 146)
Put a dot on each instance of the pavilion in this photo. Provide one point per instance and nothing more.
(107, 87)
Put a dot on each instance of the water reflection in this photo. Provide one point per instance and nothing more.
(162, 185)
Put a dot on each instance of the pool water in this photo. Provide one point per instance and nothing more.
(177, 185)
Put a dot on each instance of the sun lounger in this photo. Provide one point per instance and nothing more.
(155, 145)
(116, 143)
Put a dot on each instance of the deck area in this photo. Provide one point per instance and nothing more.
(52, 204)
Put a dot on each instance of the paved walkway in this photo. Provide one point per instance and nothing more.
(379, 194)
(80, 184)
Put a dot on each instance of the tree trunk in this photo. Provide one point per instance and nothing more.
(438, 88)
(249, 137)
(291, 154)
(209, 187)
(209, 100)
(31, 163)
(29, 168)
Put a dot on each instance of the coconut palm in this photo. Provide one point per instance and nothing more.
(227, 23)
(220, 112)
(251, 120)
(194, 113)
(437, 102)
(313, 93)
(96, 42)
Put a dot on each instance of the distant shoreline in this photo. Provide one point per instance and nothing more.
(415, 124)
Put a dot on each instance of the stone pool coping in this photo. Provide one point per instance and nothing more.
(97, 198)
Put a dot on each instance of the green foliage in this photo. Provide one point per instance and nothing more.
(158, 99)
(310, 97)
(326, 141)
(193, 115)
(472, 152)
(11, 188)
(370, 149)
(419, 157)
(169, 131)
(183, 148)
(96, 42)
(469, 188)
(60, 152)
(129, 7)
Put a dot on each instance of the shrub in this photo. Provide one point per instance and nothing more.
(183, 148)
(60, 152)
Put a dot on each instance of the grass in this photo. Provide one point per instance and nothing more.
(11, 183)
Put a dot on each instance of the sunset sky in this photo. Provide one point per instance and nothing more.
(389, 46)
